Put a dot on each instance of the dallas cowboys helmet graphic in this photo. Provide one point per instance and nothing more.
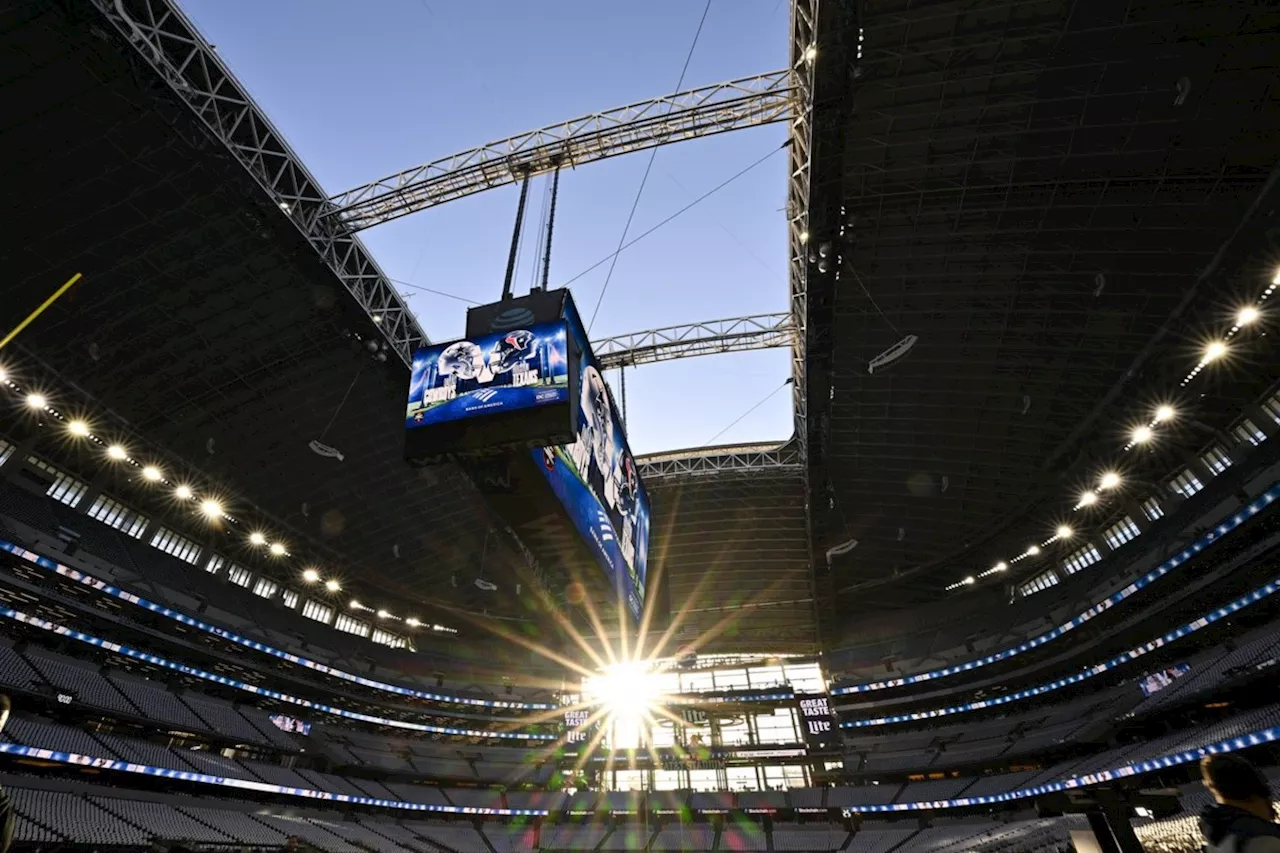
(512, 348)
(599, 414)
(463, 359)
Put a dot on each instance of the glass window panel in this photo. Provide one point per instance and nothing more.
(704, 780)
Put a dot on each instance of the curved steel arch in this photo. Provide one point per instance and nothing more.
(737, 104)
(713, 337)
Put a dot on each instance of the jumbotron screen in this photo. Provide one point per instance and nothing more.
(519, 369)
(596, 480)
(504, 388)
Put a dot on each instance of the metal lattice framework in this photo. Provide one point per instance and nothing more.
(707, 461)
(736, 334)
(171, 45)
(737, 104)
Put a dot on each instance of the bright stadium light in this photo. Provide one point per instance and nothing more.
(256, 538)
(1088, 499)
(1033, 550)
(332, 585)
(412, 622)
(1109, 480)
(1141, 434)
(356, 605)
(1000, 566)
(628, 692)
(183, 493)
(1065, 532)
(1164, 413)
(37, 401)
(382, 614)
(211, 508)
(152, 473)
(277, 550)
(1246, 316)
(117, 452)
(970, 581)
(310, 575)
(79, 429)
(1214, 351)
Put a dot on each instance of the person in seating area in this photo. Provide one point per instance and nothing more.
(1243, 819)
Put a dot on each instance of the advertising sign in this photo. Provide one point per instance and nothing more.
(815, 714)
(1157, 681)
(292, 725)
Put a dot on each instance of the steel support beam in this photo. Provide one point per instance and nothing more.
(748, 102)
(711, 461)
(169, 43)
(737, 334)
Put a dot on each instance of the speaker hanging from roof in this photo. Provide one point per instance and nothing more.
(892, 354)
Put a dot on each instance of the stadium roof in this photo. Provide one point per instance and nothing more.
(1064, 202)
(1056, 198)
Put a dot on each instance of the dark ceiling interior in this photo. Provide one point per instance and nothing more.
(1060, 199)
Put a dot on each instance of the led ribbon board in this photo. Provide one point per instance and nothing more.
(1257, 738)
(1213, 536)
(182, 618)
(156, 660)
(1085, 674)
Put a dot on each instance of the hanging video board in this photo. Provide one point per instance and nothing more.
(596, 479)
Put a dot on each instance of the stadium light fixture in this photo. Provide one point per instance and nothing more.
(382, 614)
(78, 428)
(152, 473)
(332, 585)
(1109, 480)
(1033, 550)
(1001, 566)
(277, 550)
(1164, 413)
(1214, 351)
(310, 575)
(211, 508)
(412, 622)
(1141, 434)
(183, 493)
(256, 538)
(970, 581)
(37, 401)
(117, 452)
(1246, 315)
(1087, 499)
(356, 605)
(1065, 532)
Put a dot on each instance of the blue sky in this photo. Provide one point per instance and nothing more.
(365, 89)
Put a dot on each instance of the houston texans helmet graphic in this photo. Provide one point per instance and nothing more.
(463, 359)
(512, 348)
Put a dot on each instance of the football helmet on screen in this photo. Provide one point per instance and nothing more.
(512, 348)
(462, 359)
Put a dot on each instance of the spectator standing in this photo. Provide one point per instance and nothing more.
(1243, 817)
